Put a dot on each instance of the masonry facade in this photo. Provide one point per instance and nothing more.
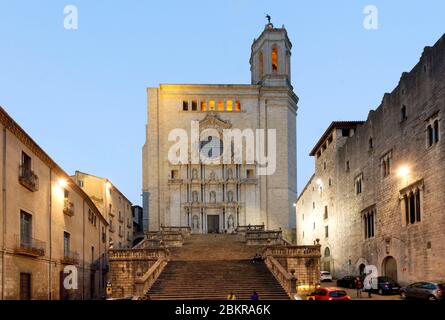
(217, 197)
(46, 224)
(112, 204)
(376, 197)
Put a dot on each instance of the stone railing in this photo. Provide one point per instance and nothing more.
(297, 263)
(144, 283)
(285, 278)
(263, 238)
(293, 252)
(133, 271)
(185, 231)
(258, 227)
(137, 254)
(167, 239)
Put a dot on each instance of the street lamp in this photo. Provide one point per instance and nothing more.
(62, 183)
(403, 171)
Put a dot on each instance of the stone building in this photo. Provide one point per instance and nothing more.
(217, 197)
(112, 204)
(376, 196)
(47, 222)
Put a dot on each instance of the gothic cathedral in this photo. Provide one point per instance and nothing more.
(210, 195)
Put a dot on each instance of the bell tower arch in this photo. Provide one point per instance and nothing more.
(270, 57)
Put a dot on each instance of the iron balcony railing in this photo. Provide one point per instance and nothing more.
(30, 246)
(70, 257)
(68, 208)
(28, 178)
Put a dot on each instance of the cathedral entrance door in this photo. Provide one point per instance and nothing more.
(213, 224)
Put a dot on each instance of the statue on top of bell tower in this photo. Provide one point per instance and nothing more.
(270, 57)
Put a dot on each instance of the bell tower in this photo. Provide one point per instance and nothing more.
(270, 57)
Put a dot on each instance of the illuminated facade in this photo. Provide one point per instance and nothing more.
(218, 197)
(376, 197)
(47, 223)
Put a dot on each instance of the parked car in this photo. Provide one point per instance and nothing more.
(347, 282)
(332, 294)
(424, 290)
(325, 276)
(386, 285)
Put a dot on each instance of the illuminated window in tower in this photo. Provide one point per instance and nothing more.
(220, 105)
(203, 106)
(237, 105)
(229, 105)
(212, 105)
(274, 60)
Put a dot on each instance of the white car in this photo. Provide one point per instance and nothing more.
(325, 276)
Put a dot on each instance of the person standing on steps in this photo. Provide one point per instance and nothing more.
(255, 296)
(231, 296)
(359, 287)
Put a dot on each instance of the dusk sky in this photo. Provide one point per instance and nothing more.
(81, 93)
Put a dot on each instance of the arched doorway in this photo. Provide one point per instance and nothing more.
(361, 269)
(389, 267)
(327, 260)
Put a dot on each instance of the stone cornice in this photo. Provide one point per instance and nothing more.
(8, 122)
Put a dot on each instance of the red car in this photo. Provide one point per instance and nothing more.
(335, 294)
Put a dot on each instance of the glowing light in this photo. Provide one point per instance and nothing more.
(403, 171)
(319, 182)
(62, 183)
(295, 204)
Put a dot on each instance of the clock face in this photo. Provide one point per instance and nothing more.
(212, 148)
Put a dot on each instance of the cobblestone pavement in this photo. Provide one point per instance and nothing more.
(353, 293)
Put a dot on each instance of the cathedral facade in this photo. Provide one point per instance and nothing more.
(210, 194)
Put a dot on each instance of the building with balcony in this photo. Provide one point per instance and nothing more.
(113, 205)
(47, 222)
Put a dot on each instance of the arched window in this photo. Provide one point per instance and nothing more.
(327, 252)
(229, 105)
(237, 105)
(203, 106)
(430, 135)
(370, 143)
(436, 131)
(220, 105)
(403, 113)
(417, 205)
(274, 59)
(212, 105)
(412, 208)
(261, 64)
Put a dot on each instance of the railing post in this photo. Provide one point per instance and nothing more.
(293, 283)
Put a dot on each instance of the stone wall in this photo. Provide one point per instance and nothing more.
(396, 132)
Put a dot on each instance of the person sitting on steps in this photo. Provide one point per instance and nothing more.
(257, 258)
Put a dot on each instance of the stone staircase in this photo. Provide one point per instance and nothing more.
(209, 267)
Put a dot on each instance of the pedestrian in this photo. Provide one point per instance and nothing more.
(231, 296)
(368, 286)
(359, 287)
(255, 296)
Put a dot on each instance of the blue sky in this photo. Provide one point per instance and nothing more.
(81, 93)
